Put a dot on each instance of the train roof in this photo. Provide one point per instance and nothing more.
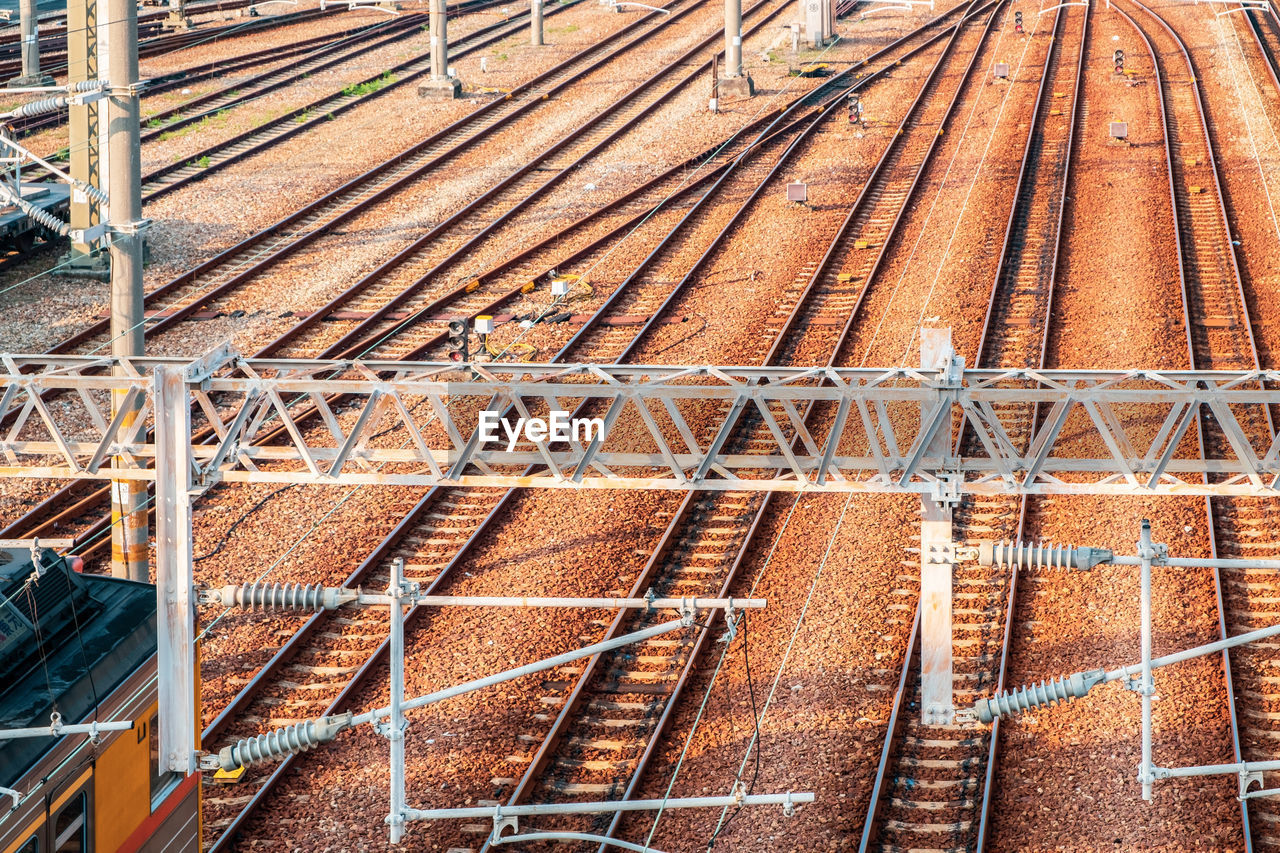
(67, 640)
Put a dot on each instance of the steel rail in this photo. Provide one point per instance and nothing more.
(10, 39)
(52, 517)
(1012, 252)
(908, 681)
(178, 41)
(1265, 27)
(361, 575)
(1050, 277)
(1196, 349)
(365, 191)
(742, 427)
(335, 52)
(310, 50)
(380, 555)
(166, 179)
(524, 197)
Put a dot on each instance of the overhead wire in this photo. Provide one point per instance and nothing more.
(957, 218)
(1255, 104)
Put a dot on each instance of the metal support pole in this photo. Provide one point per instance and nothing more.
(439, 41)
(1146, 688)
(128, 498)
(440, 85)
(175, 591)
(733, 83)
(937, 557)
(28, 29)
(732, 38)
(828, 20)
(535, 23)
(396, 725)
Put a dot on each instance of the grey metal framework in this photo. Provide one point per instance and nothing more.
(664, 427)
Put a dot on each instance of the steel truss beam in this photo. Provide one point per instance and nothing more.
(665, 427)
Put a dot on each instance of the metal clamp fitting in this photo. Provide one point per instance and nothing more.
(501, 822)
(130, 229)
(687, 612)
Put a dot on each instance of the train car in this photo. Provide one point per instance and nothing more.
(83, 646)
(18, 232)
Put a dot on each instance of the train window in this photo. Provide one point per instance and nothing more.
(32, 845)
(70, 829)
(162, 781)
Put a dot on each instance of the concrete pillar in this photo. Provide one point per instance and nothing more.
(129, 531)
(937, 557)
(441, 86)
(31, 76)
(535, 23)
(733, 84)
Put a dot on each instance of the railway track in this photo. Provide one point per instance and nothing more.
(1265, 27)
(433, 539)
(1220, 336)
(241, 263)
(309, 55)
(933, 785)
(614, 712)
(444, 530)
(53, 49)
(200, 164)
(435, 263)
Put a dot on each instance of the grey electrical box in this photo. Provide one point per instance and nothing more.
(797, 191)
(1002, 70)
(1119, 129)
(813, 12)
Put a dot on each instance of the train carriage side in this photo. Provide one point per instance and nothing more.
(85, 647)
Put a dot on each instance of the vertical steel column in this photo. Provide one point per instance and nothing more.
(937, 555)
(128, 497)
(83, 121)
(1146, 774)
(175, 611)
(395, 723)
(535, 23)
(828, 20)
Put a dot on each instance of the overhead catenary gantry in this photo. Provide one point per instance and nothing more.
(626, 427)
(651, 427)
